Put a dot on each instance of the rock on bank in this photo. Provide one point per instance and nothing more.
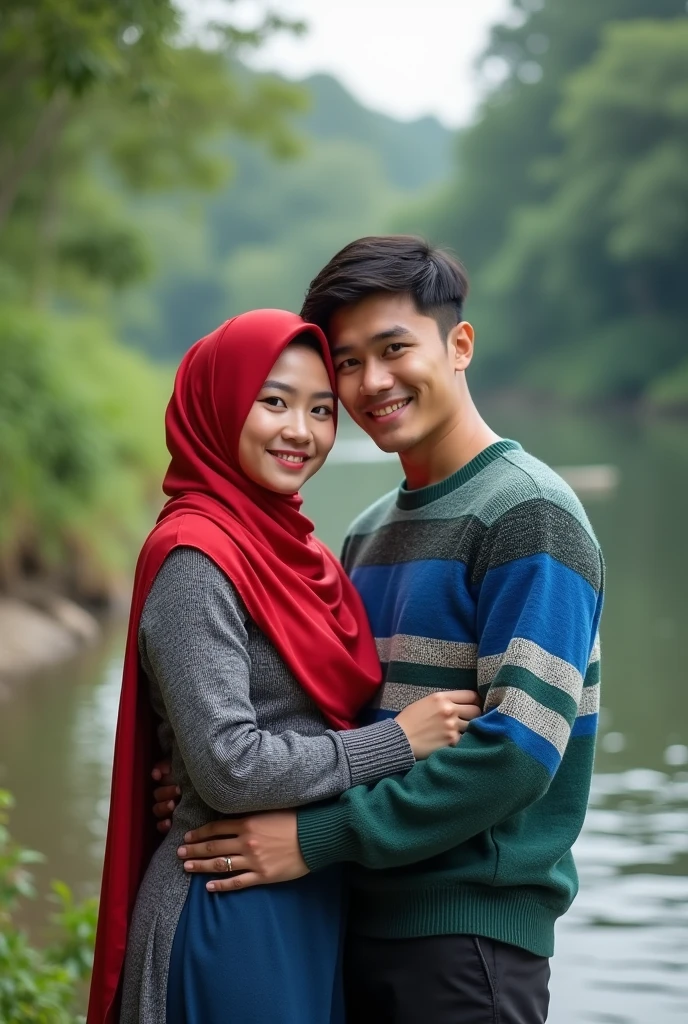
(38, 629)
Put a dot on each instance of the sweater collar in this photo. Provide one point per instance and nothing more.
(411, 499)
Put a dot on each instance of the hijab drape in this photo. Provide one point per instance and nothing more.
(293, 588)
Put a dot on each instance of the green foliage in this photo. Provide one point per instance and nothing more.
(569, 201)
(80, 443)
(39, 986)
(100, 102)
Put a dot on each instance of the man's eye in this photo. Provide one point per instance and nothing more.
(346, 364)
(394, 348)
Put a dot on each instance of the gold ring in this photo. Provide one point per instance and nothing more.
(229, 864)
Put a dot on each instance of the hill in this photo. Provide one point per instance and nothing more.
(261, 239)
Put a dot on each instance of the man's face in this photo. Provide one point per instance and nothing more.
(396, 375)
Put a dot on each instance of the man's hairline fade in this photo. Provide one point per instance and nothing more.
(432, 278)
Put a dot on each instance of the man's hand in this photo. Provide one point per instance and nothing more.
(264, 848)
(166, 796)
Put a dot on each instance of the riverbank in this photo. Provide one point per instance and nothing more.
(38, 629)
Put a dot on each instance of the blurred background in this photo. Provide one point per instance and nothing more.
(165, 165)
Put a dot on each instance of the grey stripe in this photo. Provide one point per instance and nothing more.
(422, 650)
(397, 696)
(595, 653)
(515, 477)
(535, 716)
(529, 655)
(590, 701)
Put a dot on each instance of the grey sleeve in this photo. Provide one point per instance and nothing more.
(193, 640)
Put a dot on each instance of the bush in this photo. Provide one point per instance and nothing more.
(40, 986)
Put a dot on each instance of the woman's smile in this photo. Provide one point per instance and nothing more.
(290, 460)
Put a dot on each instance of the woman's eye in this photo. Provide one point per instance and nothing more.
(274, 401)
(322, 410)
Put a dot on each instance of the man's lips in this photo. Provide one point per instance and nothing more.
(383, 412)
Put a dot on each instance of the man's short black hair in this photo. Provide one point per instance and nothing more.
(396, 264)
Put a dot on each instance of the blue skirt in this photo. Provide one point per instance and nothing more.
(267, 955)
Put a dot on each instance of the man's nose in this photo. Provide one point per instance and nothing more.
(376, 378)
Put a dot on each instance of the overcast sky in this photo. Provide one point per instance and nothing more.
(405, 57)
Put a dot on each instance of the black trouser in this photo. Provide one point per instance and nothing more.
(444, 979)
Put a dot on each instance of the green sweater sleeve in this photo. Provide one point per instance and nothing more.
(537, 622)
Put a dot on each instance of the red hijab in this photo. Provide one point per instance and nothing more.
(294, 589)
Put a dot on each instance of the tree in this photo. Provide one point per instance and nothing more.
(115, 86)
(99, 101)
(603, 261)
(550, 207)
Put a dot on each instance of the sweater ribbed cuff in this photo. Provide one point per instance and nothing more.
(324, 836)
(377, 750)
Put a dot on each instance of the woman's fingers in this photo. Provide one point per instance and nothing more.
(466, 715)
(217, 865)
(470, 697)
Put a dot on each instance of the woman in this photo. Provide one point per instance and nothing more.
(257, 659)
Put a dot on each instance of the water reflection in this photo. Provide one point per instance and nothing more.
(622, 952)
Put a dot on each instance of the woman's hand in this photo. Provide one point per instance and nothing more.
(438, 720)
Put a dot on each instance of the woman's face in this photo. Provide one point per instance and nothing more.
(289, 431)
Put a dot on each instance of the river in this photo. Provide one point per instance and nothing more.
(622, 951)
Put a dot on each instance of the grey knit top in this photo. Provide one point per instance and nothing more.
(242, 735)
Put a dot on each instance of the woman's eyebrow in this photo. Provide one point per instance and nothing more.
(279, 385)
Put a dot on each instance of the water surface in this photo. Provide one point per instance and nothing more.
(622, 951)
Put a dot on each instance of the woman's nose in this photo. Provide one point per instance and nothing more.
(296, 429)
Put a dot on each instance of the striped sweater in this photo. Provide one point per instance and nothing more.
(491, 579)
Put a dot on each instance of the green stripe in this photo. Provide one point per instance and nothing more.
(549, 696)
(412, 499)
(436, 676)
(592, 676)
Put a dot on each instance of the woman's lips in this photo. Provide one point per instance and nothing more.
(289, 460)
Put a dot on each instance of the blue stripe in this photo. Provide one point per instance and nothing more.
(539, 599)
(586, 725)
(495, 723)
(425, 598)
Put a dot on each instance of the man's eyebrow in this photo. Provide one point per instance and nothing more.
(278, 385)
(393, 332)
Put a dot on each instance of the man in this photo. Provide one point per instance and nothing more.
(480, 570)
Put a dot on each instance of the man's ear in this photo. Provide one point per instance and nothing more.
(460, 343)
